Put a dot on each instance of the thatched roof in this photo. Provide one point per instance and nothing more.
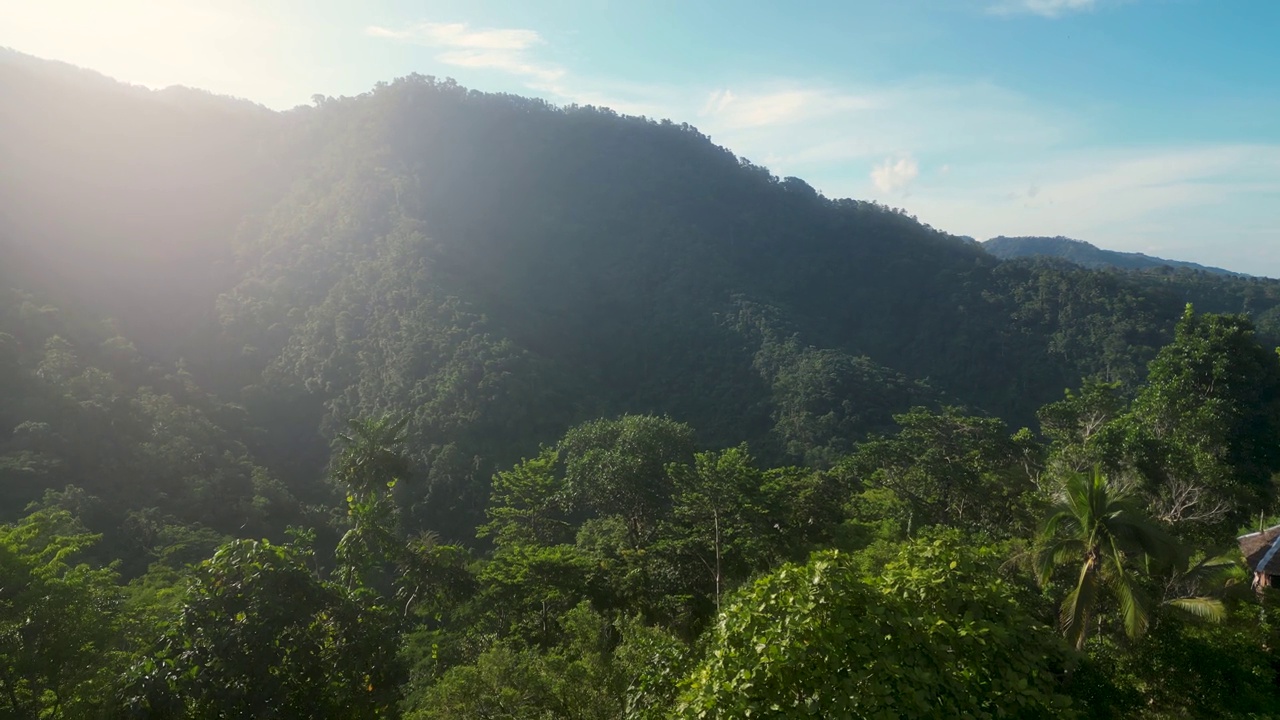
(1261, 550)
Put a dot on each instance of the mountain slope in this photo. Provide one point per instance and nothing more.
(594, 264)
(1085, 254)
(126, 197)
(498, 269)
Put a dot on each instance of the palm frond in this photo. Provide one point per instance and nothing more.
(1069, 549)
(1216, 572)
(1077, 607)
(1137, 534)
(1054, 553)
(1058, 516)
(1133, 606)
(1205, 608)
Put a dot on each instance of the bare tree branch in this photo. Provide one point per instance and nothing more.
(1183, 501)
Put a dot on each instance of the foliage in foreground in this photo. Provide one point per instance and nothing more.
(940, 632)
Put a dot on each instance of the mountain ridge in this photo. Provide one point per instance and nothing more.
(498, 269)
(1087, 254)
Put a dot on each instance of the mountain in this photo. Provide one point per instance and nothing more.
(498, 269)
(124, 195)
(1086, 255)
(435, 403)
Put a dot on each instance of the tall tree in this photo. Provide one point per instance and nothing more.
(1079, 427)
(1208, 418)
(719, 519)
(371, 464)
(619, 467)
(953, 469)
(261, 635)
(1098, 532)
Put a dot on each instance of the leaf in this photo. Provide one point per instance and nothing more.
(1205, 608)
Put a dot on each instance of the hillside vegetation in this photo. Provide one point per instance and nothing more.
(439, 403)
(1085, 254)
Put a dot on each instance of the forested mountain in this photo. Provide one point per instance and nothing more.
(1085, 254)
(501, 269)
(571, 342)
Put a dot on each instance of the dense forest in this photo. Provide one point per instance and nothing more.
(432, 403)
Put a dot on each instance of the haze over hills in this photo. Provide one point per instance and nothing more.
(1085, 254)
(501, 268)
(550, 411)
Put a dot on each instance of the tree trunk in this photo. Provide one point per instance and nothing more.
(715, 516)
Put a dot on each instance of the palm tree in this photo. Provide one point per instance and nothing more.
(371, 463)
(372, 456)
(1096, 527)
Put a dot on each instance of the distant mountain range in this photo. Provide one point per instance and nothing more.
(1085, 254)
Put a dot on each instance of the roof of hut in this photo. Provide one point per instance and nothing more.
(1261, 550)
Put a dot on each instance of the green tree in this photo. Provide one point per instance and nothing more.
(1078, 427)
(1184, 669)
(59, 620)
(436, 577)
(1204, 426)
(585, 677)
(524, 588)
(369, 467)
(939, 633)
(719, 519)
(619, 467)
(260, 635)
(953, 469)
(1102, 536)
(528, 503)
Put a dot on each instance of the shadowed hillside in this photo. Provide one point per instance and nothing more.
(498, 269)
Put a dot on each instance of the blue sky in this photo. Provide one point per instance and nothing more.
(1140, 125)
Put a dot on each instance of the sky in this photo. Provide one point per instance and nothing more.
(1139, 125)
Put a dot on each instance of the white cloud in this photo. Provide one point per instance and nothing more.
(460, 35)
(818, 131)
(1208, 204)
(503, 49)
(716, 102)
(894, 176)
(1043, 8)
(502, 61)
(784, 106)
